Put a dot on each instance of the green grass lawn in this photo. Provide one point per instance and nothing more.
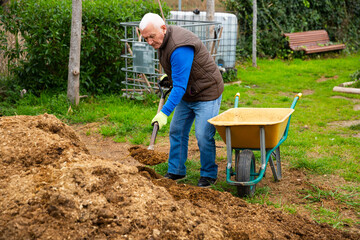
(319, 140)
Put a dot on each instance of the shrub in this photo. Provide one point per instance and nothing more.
(230, 75)
(42, 53)
(355, 77)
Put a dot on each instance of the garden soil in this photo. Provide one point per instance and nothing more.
(53, 187)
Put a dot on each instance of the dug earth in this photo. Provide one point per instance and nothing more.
(51, 187)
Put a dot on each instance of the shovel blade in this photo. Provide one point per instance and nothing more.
(153, 136)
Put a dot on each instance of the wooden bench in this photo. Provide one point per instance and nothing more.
(312, 42)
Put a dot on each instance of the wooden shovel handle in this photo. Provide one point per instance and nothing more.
(156, 126)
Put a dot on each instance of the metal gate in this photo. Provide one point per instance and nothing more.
(142, 68)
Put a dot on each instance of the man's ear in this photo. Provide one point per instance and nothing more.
(163, 28)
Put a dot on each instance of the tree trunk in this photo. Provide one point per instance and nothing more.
(210, 13)
(210, 10)
(74, 56)
(254, 33)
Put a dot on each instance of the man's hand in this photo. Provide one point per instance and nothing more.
(165, 81)
(161, 118)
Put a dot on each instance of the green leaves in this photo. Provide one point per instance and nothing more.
(39, 59)
(306, 3)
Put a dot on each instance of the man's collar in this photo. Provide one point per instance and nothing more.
(166, 36)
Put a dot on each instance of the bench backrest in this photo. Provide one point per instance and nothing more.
(309, 38)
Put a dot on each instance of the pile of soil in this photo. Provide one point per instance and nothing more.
(52, 188)
(148, 157)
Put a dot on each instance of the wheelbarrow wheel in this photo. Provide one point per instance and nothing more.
(245, 162)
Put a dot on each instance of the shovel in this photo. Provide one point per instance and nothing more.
(156, 124)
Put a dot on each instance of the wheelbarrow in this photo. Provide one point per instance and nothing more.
(245, 130)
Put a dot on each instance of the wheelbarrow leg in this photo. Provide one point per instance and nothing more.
(262, 147)
(278, 163)
(228, 148)
(237, 154)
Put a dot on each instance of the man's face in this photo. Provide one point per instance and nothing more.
(154, 36)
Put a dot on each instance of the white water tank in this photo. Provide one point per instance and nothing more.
(227, 48)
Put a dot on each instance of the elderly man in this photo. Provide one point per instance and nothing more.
(196, 95)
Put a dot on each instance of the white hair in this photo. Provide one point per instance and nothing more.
(153, 18)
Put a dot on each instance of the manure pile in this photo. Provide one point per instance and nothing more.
(52, 188)
(148, 157)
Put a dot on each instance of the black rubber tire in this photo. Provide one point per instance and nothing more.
(245, 165)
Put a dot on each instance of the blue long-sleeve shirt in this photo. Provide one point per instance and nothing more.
(181, 62)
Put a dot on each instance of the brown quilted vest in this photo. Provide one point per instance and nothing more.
(205, 81)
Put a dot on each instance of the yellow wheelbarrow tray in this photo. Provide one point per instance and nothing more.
(253, 129)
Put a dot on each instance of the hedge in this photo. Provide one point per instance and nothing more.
(39, 60)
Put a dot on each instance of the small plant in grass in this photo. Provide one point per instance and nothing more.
(355, 76)
(230, 75)
(192, 171)
(333, 218)
(260, 196)
(108, 131)
(160, 168)
(356, 84)
(355, 127)
(138, 138)
(321, 124)
(120, 139)
(311, 164)
(223, 186)
(285, 99)
(290, 209)
(315, 194)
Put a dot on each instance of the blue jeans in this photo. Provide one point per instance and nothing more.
(180, 126)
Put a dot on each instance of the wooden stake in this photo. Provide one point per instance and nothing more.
(134, 90)
(140, 80)
(162, 14)
(217, 42)
(138, 34)
(129, 49)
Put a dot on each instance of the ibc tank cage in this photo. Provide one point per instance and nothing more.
(142, 68)
(226, 55)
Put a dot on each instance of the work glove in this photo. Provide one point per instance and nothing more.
(161, 118)
(165, 81)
